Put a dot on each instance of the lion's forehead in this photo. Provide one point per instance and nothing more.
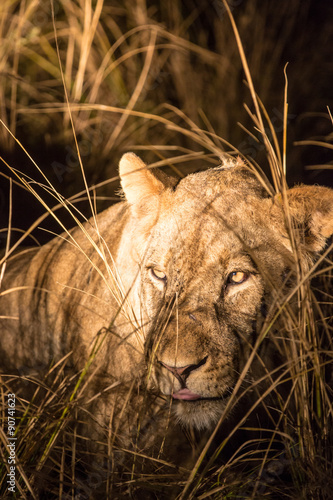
(204, 241)
(223, 224)
(181, 226)
(224, 184)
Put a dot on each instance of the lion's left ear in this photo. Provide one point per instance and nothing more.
(143, 186)
(311, 211)
(137, 181)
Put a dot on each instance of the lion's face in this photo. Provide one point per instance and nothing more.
(203, 291)
(214, 252)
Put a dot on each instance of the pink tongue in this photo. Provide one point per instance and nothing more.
(186, 394)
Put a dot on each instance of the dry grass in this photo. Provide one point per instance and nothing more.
(96, 79)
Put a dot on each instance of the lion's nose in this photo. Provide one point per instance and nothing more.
(182, 372)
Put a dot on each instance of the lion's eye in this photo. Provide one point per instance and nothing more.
(237, 277)
(158, 274)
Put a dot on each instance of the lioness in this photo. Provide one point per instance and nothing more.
(171, 286)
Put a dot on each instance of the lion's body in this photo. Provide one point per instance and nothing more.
(175, 283)
(71, 309)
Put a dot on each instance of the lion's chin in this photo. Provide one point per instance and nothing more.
(202, 414)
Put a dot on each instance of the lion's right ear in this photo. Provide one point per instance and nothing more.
(311, 215)
(137, 181)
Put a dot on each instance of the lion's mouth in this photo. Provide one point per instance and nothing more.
(186, 395)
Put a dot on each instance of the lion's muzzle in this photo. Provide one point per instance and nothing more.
(181, 373)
